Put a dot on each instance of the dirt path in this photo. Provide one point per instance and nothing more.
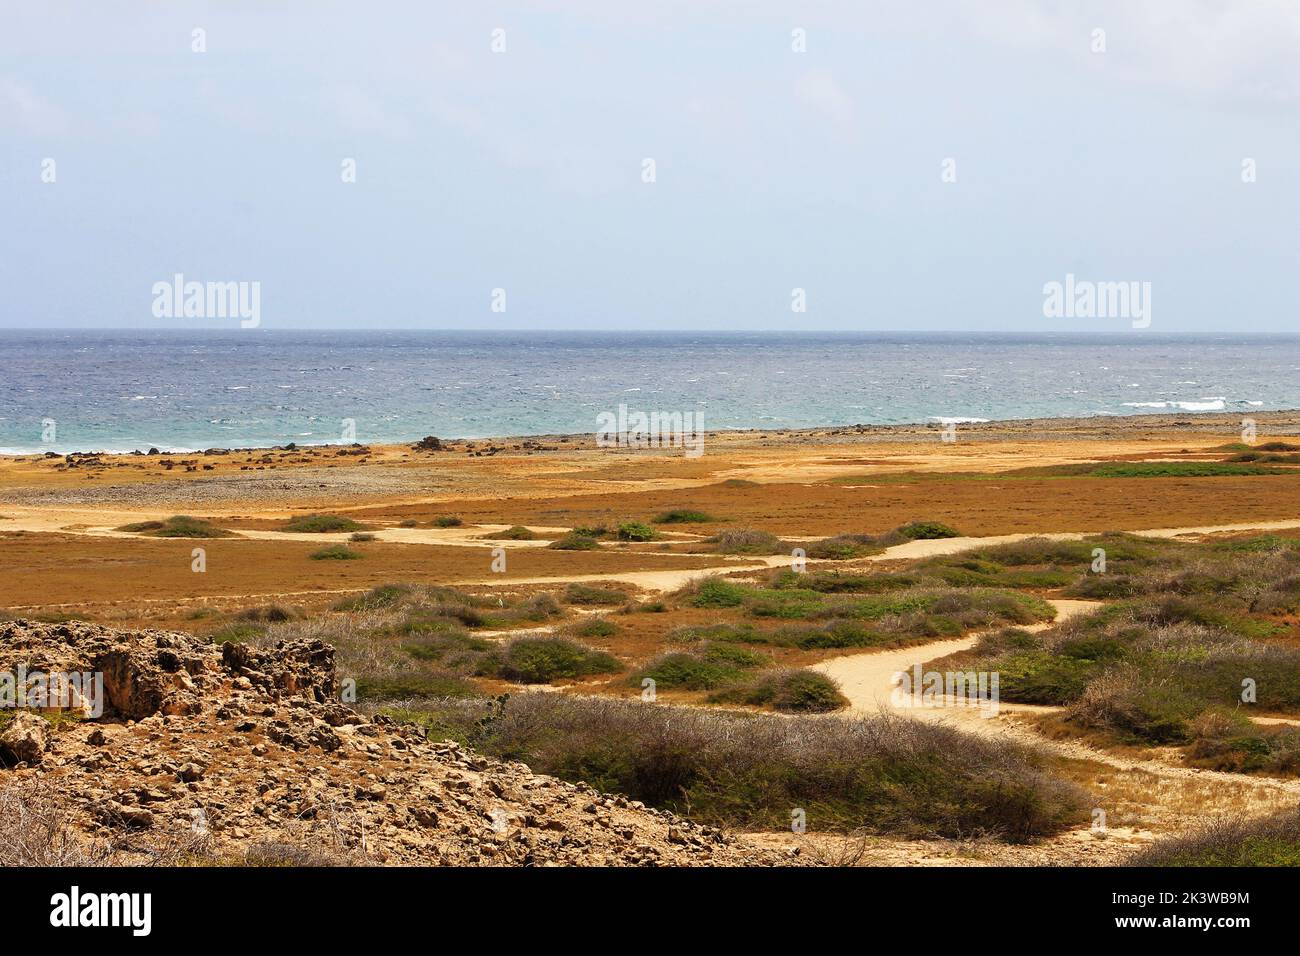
(867, 679)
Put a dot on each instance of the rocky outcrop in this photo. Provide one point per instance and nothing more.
(250, 748)
(24, 739)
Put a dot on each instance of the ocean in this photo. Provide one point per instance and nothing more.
(180, 391)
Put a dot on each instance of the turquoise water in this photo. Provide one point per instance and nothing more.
(126, 390)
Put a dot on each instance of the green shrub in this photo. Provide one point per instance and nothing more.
(320, 524)
(541, 660)
(718, 592)
(788, 691)
(336, 552)
(684, 516)
(513, 533)
(746, 541)
(595, 627)
(635, 531)
(578, 593)
(842, 547)
(689, 671)
(178, 526)
(447, 521)
(917, 530)
(575, 542)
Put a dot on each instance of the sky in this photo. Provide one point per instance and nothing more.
(908, 165)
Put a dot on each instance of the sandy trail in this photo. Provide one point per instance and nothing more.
(934, 547)
(97, 522)
(661, 581)
(867, 680)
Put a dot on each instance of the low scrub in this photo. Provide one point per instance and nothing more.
(586, 594)
(635, 531)
(1272, 840)
(514, 533)
(792, 691)
(575, 542)
(705, 668)
(595, 627)
(336, 552)
(746, 541)
(885, 774)
(683, 516)
(541, 660)
(178, 526)
(321, 524)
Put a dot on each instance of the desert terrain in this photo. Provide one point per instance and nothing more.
(778, 581)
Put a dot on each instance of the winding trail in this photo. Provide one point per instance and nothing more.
(867, 679)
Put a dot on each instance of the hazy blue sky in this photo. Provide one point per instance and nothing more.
(775, 169)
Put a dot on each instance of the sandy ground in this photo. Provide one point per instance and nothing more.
(61, 552)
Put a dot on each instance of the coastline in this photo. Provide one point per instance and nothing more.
(1065, 428)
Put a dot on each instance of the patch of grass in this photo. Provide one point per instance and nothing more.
(385, 595)
(1272, 840)
(336, 552)
(595, 627)
(684, 516)
(635, 531)
(321, 524)
(585, 594)
(716, 592)
(746, 541)
(178, 526)
(513, 533)
(917, 530)
(415, 684)
(269, 614)
(843, 547)
(791, 691)
(709, 667)
(239, 632)
(1126, 469)
(1143, 469)
(447, 521)
(887, 774)
(575, 542)
(1267, 458)
(541, 660)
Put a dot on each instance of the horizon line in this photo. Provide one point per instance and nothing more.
(1133, 333)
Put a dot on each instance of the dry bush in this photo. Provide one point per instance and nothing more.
(36, 829)
(887, 773)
